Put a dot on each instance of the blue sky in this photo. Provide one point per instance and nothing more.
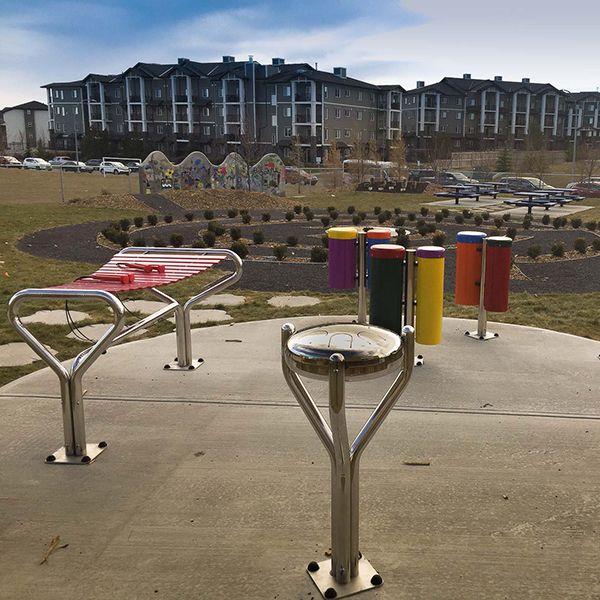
(384, 42)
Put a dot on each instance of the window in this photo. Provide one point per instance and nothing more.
(457, 130)
(338, 93)
(346, 133)
(459, 102)
(28, 112)
(77, 110)
(63, 111)
(74, 92)
(288, 111)
(371, 116)
(117, 93)
(287, 132)
(56, 95)
(273, 120)
(444, 114)
(472, 102)
(338, 113)
(206, 111)
(62, 95)
(326, 113)
(472, 116)
(347, 93)
(347, 112)
(119, 111)
(160, 129)
(372, 135)
(458, 116)
(205, 92)
(219, 111)
(338, 134)
(444, 100)
(372, 96)
(119, 127)
(158, 93)
(206, 129)
(326, 134)
(359, 115)
(359, 95)
(287, 90)
(324, 91)
(220, 92)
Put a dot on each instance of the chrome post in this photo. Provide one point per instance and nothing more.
(410, 288)
(481, 333)
(362, 278)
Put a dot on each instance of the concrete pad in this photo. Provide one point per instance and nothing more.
(293, 301)
(145, 307)
(95, 331)
(538, 211)
(16, 354)
(54, 317)
(214, 485)
(465, 203)
(224, 299)
(206, 316)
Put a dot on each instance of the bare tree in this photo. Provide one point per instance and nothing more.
(536, 159)
(589, 161)
(333, 161)
(397, 156)
(439, 151)
(362, 156)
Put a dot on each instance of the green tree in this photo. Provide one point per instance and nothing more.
(504, 162)
(95, 143)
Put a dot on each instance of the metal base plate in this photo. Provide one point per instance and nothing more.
(175, 366)
(476, 336)
(362, 582)
(60, 457)
(419, 360)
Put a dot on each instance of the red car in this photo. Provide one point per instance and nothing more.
(589, 189)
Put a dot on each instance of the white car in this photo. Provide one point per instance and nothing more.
(37, 163)
(114, 167)
(10, 162)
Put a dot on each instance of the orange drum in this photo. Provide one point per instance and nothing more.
(469, 245)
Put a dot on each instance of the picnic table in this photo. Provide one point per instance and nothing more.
(554, 195)
(483, 189)
(458, 192)
(530, 203)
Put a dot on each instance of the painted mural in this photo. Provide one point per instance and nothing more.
(195, 171)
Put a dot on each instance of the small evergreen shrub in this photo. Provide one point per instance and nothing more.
(526, 223)
(325, 221)
(334, 214)
(498, 222)
(176, 240)
(232, 213)
(235, 233)
(411, 216)
(439, 238)
(381, 218)
(330, 208)
(534, 251)
(152, 219)
(580, 245)
(265, 217)
(239, 248)
(546, 219)
(576, 223)
(422, 230)
(397, 211)
(246, 219)
(431, 228)
(124, 224)
(596, 244)
(289, 215)
(168, 218)
(291, 240)
(356, 220)
(558, 249)
(377, 210)
(506, 217)
(511, 232)
(318, 254)
(466, 213)
(424, 211)
(209, 215)
(258, 237)
(138, 221)
(209, 238)
(478, 220)
(445, 212)
(420, 223)
(485, 215)
(362, 215)
(244, 211)
(198, 244)
(159, 243)
(403, 239)
(556, 223)
(399, 222)
(439, 217)
(189, 216)
(591, 225)
(309, 215)
(325, 240)
(280, 252)
(351, 210)
(297, 209)
(459, 219)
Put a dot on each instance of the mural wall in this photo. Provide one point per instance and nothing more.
(195, 171)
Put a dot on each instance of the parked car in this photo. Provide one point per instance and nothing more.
(114, 167)
(94, 163)
(73, 165)
(10, 162)
(133, 165)
(295, 175)
(57, 160)
(454, 178)
(524, 184)
(36, 163)
(425, 175)
(589, 189)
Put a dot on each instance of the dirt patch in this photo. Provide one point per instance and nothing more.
(548, 258)
(214, 199)
(118, 201)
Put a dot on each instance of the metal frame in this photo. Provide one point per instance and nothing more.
(76, 450)
(347, 572)
(482, 334)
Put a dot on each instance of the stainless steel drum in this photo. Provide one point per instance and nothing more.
(367, 350)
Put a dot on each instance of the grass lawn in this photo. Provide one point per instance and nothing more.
(35, 206)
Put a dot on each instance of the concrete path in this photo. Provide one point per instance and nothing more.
(215, 486)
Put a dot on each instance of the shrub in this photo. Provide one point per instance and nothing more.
(318, 254)
(305, 209)
(399, 222)
(232, 213)
(424, 211)
(511, 232)
(297, 209)
(563, 221)
(431, 228)
(526, 223)
(239, 248)
(381, 218)
(466, 213)
(576, 223)
(422, 230)
(325, 241)
(351, 210)
(558, 249)
(325, 221)
(506, 217)
(152, 219)
(280, 252)
(291, 240)
(176, 240)
(377, 210)
(403, 239)
(330, 209)
(124, 224)
(420, 223)
(478, 220)
(356, 219)
(246, 218)
(439, 238)
(216, 228)
(411, 216)
(198, 244)
(459, 219)
(362, 215)
(596, 244)
(243, 211)
(591, 225)
(122, 239)
(168, 218)
(189, 216)
(309, 215)
(209, 238)
(445, 212)
(546, 219)
(580, 245)
(334, 214)
(556, 223)
(235, 233)
(498, 222)
(397, 211)
(138, 221)
(258, 237)
(138, 240)
(159, 243)
(265, 217)
(209, 215)
(534, 251)
(485, 215)
(439, 217)
(289, 215)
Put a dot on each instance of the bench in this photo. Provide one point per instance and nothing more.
(129, 270)
(458, 195)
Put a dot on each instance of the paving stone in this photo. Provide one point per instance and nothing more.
(224, 299)
(95, 331)
(54, 317)
(18, 353)
(281, 301)
(206, 316)
(146, 307)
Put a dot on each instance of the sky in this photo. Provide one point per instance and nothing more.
(385, 42)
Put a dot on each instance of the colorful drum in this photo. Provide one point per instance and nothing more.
(469, 245)
(377, 235)
(497, 273)
(430, 294)
(342, 257)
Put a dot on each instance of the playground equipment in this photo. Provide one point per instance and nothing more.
(482, 276)
(129, 270)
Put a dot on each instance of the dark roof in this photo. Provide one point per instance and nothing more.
(582, 95)
(77, 83)
(289, 72)
(392, 87)
(32, 105)
(459, 85)
(98, 77)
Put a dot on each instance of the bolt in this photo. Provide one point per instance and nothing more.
(102, 445)
(466, 333)
(191, 368)
(330, 593)
(312, 566)
(496, 335)
(175, 359)
(376, 579)
(85, 459)
(167, 367)
(50, 458)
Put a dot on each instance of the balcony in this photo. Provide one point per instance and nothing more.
(232, 98)
(302, 97)
(135, 98)
(181, 98)
(395, 105)
(303, 118)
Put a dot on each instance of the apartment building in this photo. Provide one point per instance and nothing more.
(23, 127)
(217, 107)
